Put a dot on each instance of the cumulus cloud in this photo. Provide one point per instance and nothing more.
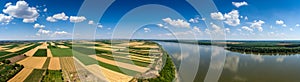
(38, 26)
(5, 19)
(177, 23)
(22, 10)
(231, 18)
(257, 24)
(297, 25)
(147, 29)
(227, 30)
(291, 29)
(195, 28)
(58, 16)
(100, 26)
(217, 16)
(91, 22)
(77, 19)
(42, 31)
(239, 4)
(160, 25)
(195, 20)
(45, 10)
(247, 28)
(280, 22)
(51, 19)
(60, 32)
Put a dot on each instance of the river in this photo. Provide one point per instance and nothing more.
(201, 63)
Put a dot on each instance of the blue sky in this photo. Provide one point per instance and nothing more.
(151, 19)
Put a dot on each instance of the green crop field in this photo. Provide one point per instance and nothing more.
(46, 64)
(3, 53)
(35, 76)
(61, 52)
(41, 53)
(53, 76)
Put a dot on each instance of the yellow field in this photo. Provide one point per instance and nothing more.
(22, 75)
(54, 64)
(33, 62)
(31, 52)
(18, 48)
(68, 68)
(112, 76)
(49, 53)
(62, 46)
(121, 64)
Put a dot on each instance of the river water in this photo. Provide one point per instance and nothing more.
(201, 63)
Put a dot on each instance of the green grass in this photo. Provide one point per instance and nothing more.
(53, 76)
(46, 64)
(3, 53)
(85, 59)
(12, 46)
(61, 52)
(41, 53)
(35, 76)
(118, 69)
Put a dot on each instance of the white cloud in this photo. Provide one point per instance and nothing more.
(297, 25)
(160, 25)
(22, 10)
(246, 18)
(58, 16)
(239, 4)
(147, 29)
(291, 29)
(45, 10)
(177, 23)
(77, 19)
(7, 4)
(41, 31)
(247, 28)
(227, 30)
(61, 16)
(217, 16)
(216, 29)
(91, 22)
(232, 18)
(284, 25)
(29, 20)
(38, 26)
(279, 22)
(257, 24)
(60, 32)
(100, 26)
(195, 20)
(5, 19)
(51, 19)
(195, 28)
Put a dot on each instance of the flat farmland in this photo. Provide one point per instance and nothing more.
(68, 68)
(22, 75)
(53, 76)
(33, 62)
(61, 52)
(41, 53)
(54, 64)
(35, 76)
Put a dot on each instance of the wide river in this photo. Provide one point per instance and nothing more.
(201, 63)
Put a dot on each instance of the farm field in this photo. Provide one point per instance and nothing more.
(55, 60)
